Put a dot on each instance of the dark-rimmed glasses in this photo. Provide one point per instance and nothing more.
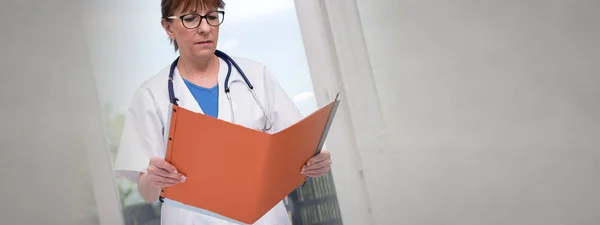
(193, 20)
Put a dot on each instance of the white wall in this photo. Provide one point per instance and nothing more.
(55, 167)
(460, 112)
(489, 111)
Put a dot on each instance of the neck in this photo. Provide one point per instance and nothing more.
(198, 67)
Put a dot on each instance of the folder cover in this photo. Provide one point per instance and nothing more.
(237, 173)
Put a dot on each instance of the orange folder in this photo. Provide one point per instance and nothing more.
(236, 173)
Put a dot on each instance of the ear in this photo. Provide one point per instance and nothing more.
(168, 28)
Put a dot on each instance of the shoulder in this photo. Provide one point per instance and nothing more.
(157, 81)
(247, 62)
(251, 65)
(154, 88)
(260, 75)
(255, 70)
(151, 97)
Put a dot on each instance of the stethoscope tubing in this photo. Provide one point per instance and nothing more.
(227, 90)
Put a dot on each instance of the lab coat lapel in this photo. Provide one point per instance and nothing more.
(182, 92)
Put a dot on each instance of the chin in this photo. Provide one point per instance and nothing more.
(203, 53)
(204, 57)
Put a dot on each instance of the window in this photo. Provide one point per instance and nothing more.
(128, 46)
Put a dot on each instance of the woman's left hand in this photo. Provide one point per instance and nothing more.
(318, 165)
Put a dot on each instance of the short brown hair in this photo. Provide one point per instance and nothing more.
(168, 6)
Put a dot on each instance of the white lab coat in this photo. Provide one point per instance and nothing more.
(142, 135)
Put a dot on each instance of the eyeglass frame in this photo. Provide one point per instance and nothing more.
(202, 17)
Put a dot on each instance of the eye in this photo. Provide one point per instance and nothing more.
(213, 16)
(190, 18)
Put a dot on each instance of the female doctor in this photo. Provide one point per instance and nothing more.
(197, 81)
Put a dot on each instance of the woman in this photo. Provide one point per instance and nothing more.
(198, 78)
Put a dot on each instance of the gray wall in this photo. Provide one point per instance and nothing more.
(54, 167)
(491, 111)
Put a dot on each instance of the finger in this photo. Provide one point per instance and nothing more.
(165, 174)
(162, 184)
(318, 165)
(155, 170)
(318, 158)
(168, 180)
(154, 178)
(317, 173)
(316, 170)
(165, 180)
(162, 164)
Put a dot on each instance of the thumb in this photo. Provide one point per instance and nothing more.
(318, 158)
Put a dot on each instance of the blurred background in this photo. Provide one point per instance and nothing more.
(453, 112)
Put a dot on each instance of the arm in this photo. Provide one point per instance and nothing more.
(140, 155)
(160, 174)
(148, 191)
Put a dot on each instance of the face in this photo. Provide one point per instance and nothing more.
(198, 42)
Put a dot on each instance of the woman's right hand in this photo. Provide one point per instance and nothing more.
(163, 174)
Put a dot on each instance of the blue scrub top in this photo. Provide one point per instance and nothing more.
(207, 98)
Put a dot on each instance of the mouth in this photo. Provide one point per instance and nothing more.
(204, 42)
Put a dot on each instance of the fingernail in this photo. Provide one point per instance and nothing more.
(183, 177)
(174, 171)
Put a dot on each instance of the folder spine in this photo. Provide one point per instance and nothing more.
(328, 124)
(332, 113)
(170, 141)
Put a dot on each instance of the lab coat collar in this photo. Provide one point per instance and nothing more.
(183, 93)
(187, 100)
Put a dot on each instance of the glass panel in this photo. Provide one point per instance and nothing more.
(129, 46)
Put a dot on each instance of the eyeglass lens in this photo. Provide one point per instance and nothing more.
(193, 20)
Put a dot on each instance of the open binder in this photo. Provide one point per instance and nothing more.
(237, 173)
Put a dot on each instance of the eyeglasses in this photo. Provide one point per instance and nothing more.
(193, 20)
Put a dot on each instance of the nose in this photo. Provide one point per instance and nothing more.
(204, 27)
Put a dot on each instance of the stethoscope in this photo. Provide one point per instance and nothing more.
(229, 61)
